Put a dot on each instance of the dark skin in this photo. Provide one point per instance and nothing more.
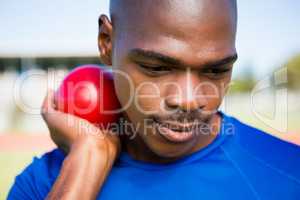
(159, 49)
(173, 46)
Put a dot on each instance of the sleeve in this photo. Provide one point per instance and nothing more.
(36, 181)
(23, 187)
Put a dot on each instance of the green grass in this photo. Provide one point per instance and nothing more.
(11, 164)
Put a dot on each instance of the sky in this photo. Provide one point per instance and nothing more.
(268, 31)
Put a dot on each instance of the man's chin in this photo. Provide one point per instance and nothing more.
(171, 151)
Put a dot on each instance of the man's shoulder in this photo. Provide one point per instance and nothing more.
(264, 149)
(49, 162)
(36, 180)
(256, 139)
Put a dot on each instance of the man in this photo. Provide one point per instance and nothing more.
(178, 56)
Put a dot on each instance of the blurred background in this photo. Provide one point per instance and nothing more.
(41, 40)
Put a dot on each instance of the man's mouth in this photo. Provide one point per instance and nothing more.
(177, 132)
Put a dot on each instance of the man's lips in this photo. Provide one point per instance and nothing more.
(177, 132)
(179, 127)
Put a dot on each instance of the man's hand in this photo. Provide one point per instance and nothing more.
(91, 153)
(66, 129)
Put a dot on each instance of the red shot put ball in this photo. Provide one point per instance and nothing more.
(88, 92)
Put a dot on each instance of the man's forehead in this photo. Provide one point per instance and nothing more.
(173, 17)
(196, 33)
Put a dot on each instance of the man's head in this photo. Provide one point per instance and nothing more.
(174, 60)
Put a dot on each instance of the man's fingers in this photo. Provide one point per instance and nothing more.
(66, 127)
(48, 105)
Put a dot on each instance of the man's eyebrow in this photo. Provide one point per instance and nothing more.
(224, 61)
(146, 54)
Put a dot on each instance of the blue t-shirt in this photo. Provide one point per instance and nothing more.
(241, 163)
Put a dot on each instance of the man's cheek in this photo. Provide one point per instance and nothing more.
(147, 98)
(124, 86)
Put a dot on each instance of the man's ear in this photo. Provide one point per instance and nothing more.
(105, 40)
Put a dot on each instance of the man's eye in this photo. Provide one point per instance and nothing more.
(159, 70)
(216, 73)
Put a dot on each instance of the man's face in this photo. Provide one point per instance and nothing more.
(174, 62)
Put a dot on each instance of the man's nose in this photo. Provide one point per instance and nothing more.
(186, 93)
